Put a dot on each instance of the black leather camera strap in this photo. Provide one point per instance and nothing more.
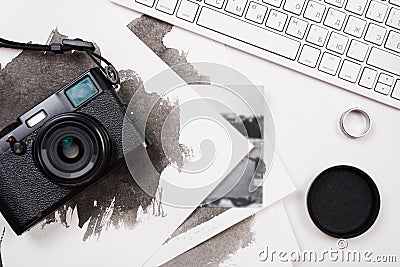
(67, 45)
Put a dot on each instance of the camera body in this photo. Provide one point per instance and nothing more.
(60, 147)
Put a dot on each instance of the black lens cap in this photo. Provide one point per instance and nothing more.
(343, 201)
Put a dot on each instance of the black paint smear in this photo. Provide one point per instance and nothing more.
(152, 31)
(1, 241)
(32, 77)
(216, 250)
(199, 216)
(164, 116)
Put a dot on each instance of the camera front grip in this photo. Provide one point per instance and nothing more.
(25, 202)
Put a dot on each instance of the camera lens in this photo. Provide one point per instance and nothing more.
(72, 149)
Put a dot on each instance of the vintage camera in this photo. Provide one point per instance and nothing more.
(61, 147)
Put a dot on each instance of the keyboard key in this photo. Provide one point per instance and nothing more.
(393, 41)
(337, 43)
(187, 10)
(317, 35)
(384, 60)
(276, 20)
(256, 12)
(250, 34)
(236, 7)
(393, 19)
(356, 6)
(167, 6)
(396, 90)
(376, 11)
(309, 56)
(148, 3)
(368, 78)
(355, 26)
(314, 11)
(349, 71)
(276, 3)
(382, 88)
(329, 63)
(296, 27)
(375, 34)
(357, 50)
(338, 3)
(214, 3)
(395, 2)
(385, 79)
(334, 19)
(294, 6)
(342, 38)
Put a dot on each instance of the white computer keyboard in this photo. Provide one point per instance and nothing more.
(354, 44)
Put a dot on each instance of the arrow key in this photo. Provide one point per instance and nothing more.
(368, 78)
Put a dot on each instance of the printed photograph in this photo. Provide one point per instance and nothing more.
(249, 174)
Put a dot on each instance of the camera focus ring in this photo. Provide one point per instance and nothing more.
(72, 149)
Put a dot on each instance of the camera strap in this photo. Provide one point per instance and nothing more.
(67, 45)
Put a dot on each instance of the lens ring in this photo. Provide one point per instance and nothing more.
(55, 138)
(89, 166)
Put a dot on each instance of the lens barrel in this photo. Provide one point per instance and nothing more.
(72, 149)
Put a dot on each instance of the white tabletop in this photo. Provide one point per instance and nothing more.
(306, 113)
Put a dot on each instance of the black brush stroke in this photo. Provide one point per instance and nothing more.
(31, 77)
(1, 242)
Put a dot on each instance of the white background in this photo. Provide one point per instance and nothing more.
(306, 113)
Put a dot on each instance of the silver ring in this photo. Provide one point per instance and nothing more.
(368, 122)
